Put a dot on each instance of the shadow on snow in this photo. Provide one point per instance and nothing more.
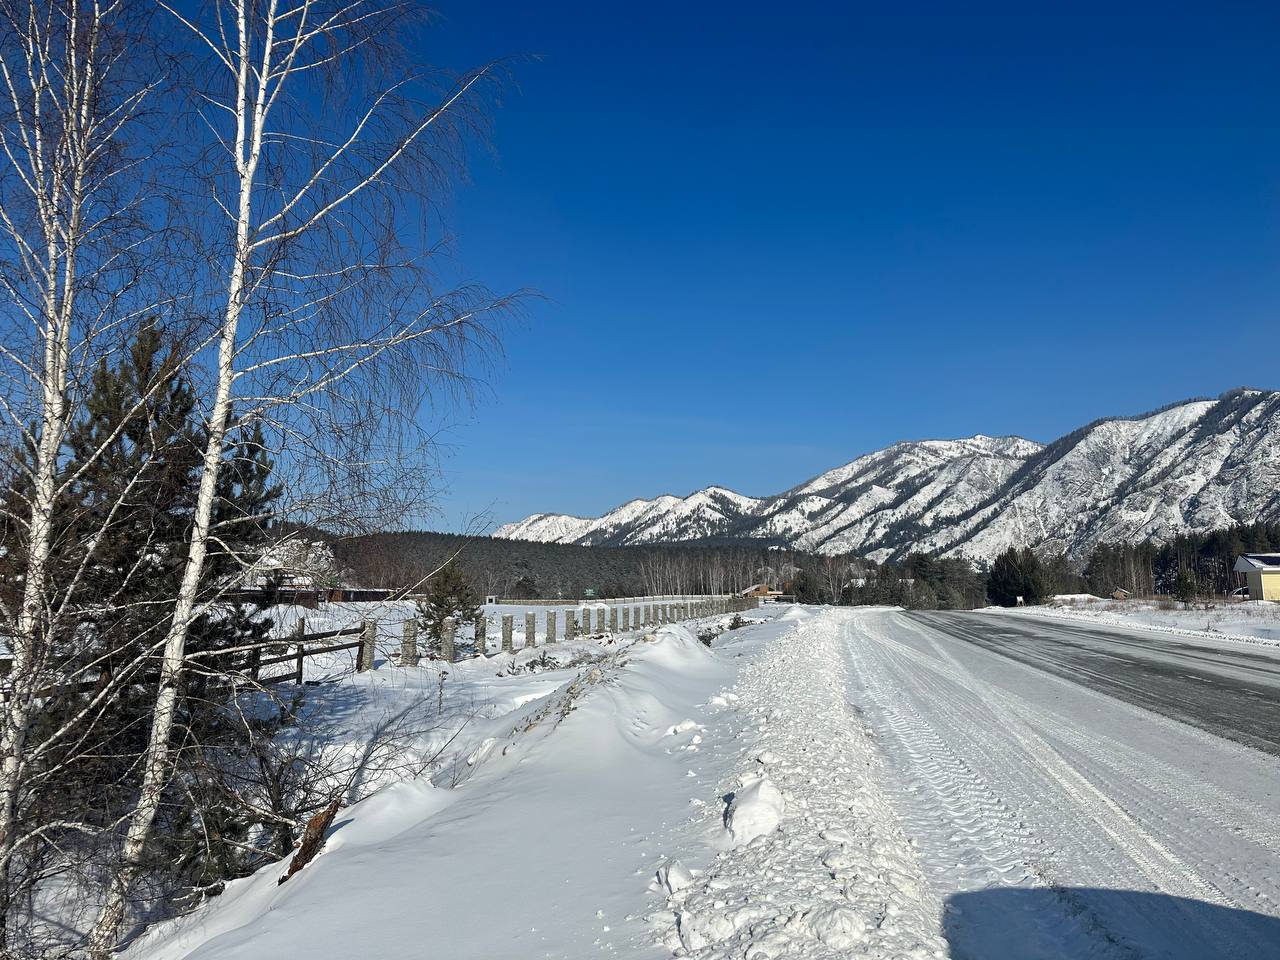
(1019, 923)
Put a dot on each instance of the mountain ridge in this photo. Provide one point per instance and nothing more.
(1190, 465)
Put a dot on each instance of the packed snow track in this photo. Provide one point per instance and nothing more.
(1053, 819)
(1225, 687)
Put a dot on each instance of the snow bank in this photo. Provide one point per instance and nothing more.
(755, 810)
(530, 837)
(1256, 622)
(813, 863)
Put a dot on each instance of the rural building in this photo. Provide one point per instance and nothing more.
(759, 591)
(1119, 593)
(1262, 574)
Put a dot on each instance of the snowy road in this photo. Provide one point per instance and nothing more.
(824, 785)
(1225, 687)
(1055, 820)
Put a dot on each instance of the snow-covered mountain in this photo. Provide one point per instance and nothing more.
(1195, 465)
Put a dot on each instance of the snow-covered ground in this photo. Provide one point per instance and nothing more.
(1061, 820)
(825, 783)
(1255, 621)
(564, 771)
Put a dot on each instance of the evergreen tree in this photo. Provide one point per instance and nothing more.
(130, 478)
(1185, 587)
(1016, 573)
(449, 594)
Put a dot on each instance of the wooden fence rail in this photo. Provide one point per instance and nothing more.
(635, 615)
(300, 639)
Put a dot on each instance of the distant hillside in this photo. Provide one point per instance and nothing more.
(513, 568)
(1190, 467)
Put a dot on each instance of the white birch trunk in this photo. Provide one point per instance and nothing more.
(60, 169)
(249, 126)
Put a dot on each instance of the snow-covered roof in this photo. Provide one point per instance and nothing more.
(1261, 562)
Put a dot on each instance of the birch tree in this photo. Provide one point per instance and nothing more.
(69, 226)
(325, 157)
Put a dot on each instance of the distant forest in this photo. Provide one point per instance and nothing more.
(1189, 566)
(524, 569)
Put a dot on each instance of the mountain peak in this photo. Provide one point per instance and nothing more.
(1194, 465)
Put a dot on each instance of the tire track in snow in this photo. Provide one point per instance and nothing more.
(1157, 799)
(944, 798)
(1004, 732)
(1162, 868)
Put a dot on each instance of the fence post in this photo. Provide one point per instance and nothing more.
(648, 615)
(300, 639)
(508, 621)
(551, 626)
(480, 637)
(447, 633)
(364, 656)
(626, 619)
(599, 619)
(613, 619)
(530, 629)
(570, 625)
(409, 645)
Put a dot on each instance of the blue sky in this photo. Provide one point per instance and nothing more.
(770, 238)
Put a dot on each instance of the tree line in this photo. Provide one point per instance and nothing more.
(523, 569)
(1186, 566)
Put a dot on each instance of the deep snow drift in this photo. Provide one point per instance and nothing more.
(569, 767)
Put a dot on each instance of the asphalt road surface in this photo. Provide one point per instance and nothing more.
(1226, 688)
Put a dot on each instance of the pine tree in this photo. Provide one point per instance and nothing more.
(1185, 587)
(1017, 573)
(130, 472)
(450, 594)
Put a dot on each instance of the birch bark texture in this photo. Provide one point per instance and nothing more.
(321, 150)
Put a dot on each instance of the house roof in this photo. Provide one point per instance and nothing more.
(1260, 562)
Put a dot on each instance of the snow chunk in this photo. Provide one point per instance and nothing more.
(836, 925)
(674, 876)
(755, 810)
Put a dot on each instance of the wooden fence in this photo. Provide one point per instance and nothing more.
(364, 633)
(596, 619)
(628, 616)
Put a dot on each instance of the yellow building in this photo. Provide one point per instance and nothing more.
(1262, 574)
